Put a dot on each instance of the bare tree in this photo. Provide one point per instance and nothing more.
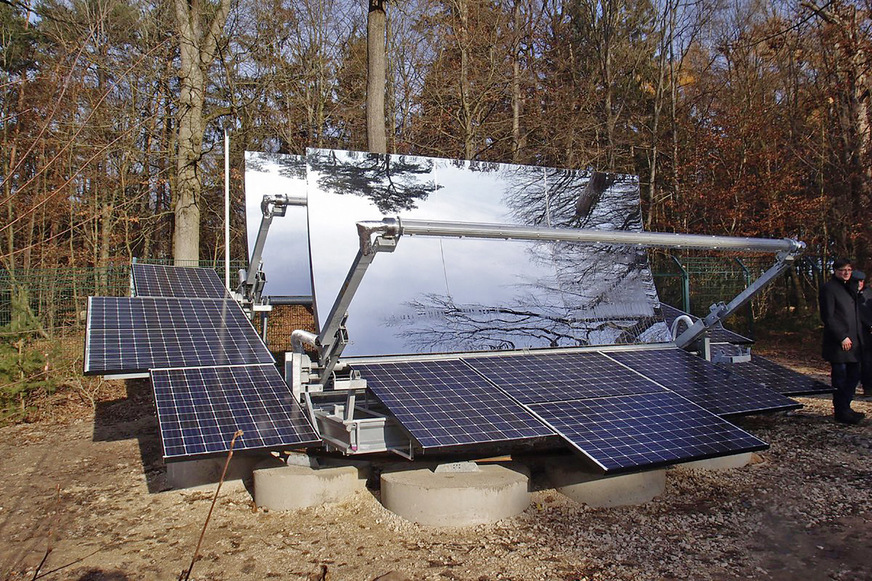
(198, 39)
(375, 78)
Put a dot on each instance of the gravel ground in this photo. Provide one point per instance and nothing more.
(94, 492)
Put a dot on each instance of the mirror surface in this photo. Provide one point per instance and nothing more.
(285, 255)
(445, 294)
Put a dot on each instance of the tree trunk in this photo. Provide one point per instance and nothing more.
(516, 83)
(375, 77)
(196, 53)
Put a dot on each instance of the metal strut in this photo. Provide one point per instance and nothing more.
(252, 282)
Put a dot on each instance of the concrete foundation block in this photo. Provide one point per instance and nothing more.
(293, 487)
(457, 499)
(193, 474)
(363, 467)
(722, 463)
(597, 490)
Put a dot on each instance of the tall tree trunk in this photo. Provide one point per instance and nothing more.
(516, 82)
(465, 106)
(375, 77)
(196, 52)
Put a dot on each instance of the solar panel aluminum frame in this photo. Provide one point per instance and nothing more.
(108, 359)
(200, 409)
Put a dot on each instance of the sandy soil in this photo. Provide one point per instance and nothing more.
(93, 490)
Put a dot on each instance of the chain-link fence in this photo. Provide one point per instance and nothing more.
(42, 321)
(694, 282)
(58, 297)
(42, 311)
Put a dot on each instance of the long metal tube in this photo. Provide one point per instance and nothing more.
(658, 239)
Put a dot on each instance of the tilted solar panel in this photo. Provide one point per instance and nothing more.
(444, 404)
(613, 416)
(560, 377)
(776, 377)
(630, 432)
(151, 280)
(127, 335)
(703, 383)
(200, 408)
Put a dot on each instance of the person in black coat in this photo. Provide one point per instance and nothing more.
(842, 341)
(864, 303)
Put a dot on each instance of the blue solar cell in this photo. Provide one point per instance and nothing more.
(445, 404)
(776, 377)
(200, 408)
(126, 335)
(560, 376)
(632, 432)
(702, 382)
(151, 280)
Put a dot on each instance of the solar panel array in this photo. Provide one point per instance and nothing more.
(200, 408)
(759, 370)
(703, 383)
(211, 373)
(445, 404)
(776, 377)
(129, 335)
(150, 280)
(617, 417)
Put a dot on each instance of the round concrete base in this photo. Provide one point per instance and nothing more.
(601, 491)
(457, 499)
(293, 487)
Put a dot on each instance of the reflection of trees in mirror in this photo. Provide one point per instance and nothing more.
(590, 274)
(566, 198)
(288, 166)
(475, 165)
(392, 183)
(436, 323)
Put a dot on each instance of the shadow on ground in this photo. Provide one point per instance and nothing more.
(134, 417)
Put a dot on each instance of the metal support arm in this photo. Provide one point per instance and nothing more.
(333, 337)
(270, 207)
(509, 232)
(721, 311)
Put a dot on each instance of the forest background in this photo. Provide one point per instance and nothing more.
(744, 117)
(741, 117)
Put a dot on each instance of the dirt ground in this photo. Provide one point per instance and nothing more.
(93, 490)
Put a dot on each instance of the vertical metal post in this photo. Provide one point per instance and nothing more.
(685, 285)
(227, 210)
(747, 274)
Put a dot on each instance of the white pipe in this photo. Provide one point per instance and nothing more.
(299, 337)
(688, 323)
(227, 209)
(660, 239)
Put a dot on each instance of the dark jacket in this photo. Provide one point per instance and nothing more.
(841, 316)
